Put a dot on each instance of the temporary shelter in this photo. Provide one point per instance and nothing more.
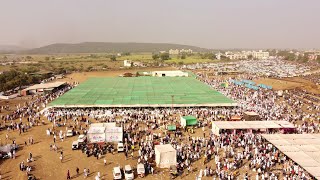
(114, 134)
(303, 149)
(171, 127)
(96, 134)
(251, 116)
(166, 156)
(220, 126)
(188, 121)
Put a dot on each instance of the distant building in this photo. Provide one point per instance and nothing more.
(174, 51)
(237, 55)
(177, 51)
(260, 54)
(218, 55)
(127, 63)
(170, 74)
(161, 52)
(313, 57)
(187, 51)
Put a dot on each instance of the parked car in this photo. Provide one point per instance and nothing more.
(128, 173)
(141, 170)
(82, 139)
(120, 147)
(69, 133)
(75, 145)
(116, 173)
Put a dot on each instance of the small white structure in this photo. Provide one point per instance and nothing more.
(127, 63)
(263, 126)
(105, 132)
(114, 134)
(166, 156)
(96, 134)
(170, 74)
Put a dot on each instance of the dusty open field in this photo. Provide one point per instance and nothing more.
(289, 83)
(47, 164)
(82, 76)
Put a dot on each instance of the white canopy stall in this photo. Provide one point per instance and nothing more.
(166, 156)
(114, 134)
(264, 126)
(96, 134)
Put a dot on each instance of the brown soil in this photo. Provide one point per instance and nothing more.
(47, 164)
(80, 77)
(290, 83)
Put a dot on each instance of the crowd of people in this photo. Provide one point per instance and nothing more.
(224, 157)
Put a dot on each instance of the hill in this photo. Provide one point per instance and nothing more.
(109, 47)
(10, 49)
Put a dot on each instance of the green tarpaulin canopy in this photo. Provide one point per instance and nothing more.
(172, 127)
(190, 120)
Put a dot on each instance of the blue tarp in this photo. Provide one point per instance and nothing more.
(249, 82)
(265, 86)
(236, 82)
(252, 87)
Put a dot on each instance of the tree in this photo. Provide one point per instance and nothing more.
(183, 56)
(155, 56)
(250, 56)
(47, 58)
(89, 68)
(164, 56)
(223, 57)
(318, 58)
(180, 63)
(113, 58)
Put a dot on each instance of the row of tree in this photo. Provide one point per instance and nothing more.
(161, 56)
(13, 79)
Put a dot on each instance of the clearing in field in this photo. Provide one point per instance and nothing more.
(142, 92)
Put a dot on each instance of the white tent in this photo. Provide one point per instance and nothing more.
(105, 132)
(217, 126)
(114, 134)
(166, 156)
(304, 149)
(96, 134)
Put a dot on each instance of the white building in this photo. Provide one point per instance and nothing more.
(188, 51)
(237, 55)
(174, 51)
(127, 63)
(177, 51)
(169, 74)
(260, 54)
(218, 55)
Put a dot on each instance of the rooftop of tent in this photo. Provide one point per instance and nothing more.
(142, 92)
(189, 117)
(304, 149)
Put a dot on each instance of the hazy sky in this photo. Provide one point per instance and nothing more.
(204, 23)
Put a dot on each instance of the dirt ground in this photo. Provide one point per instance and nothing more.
(289, 83)
(80, 77)
(47, 164)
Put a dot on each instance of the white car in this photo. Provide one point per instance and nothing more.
(120, 147)
(82, 138)
(69, 133)
(141, 170)
(116, 173)
(128, 173)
